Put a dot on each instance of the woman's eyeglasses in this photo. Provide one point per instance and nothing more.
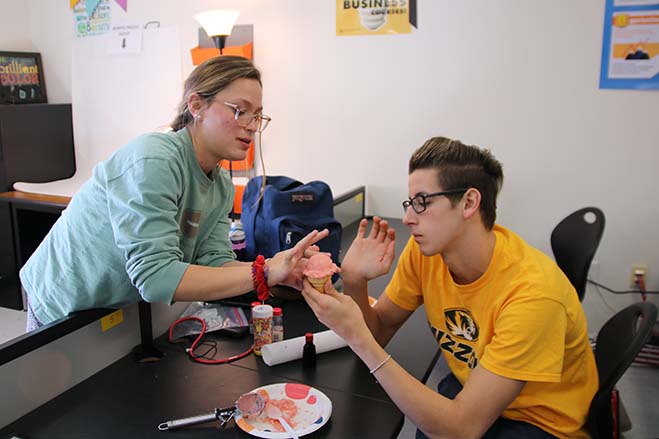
(246, 118)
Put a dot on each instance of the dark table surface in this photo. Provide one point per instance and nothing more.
(129, 399)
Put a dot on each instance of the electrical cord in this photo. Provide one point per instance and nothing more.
(211, 349)
(620, 292)
(642, 291)
(612, 309)
(202, 358)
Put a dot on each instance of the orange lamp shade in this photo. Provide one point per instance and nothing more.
(201, 54)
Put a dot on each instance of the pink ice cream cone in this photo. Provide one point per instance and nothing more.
(319, 269)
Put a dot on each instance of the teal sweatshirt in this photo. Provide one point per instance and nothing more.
(132, 229)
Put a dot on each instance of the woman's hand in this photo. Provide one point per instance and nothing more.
(337, 311)
(370, 256)
(286, 267)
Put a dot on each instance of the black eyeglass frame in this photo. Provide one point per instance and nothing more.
(423, 197)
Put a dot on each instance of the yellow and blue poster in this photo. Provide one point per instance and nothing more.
(630, 47)
(92, 17)
(375, 17)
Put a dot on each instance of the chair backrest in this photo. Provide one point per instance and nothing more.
(574, 242)
(618, 342)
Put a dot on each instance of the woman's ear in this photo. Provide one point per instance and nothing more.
(195, 105)
(472, 202)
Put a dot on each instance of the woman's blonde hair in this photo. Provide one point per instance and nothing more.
(210, 77)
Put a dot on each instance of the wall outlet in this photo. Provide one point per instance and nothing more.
(636, 269)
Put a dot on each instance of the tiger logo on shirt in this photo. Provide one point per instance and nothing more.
(460, 324)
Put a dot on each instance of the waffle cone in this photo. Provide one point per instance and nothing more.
(318, 282)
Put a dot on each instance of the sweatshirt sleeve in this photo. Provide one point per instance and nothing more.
(142, 205)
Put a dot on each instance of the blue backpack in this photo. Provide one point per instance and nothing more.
(286, 213)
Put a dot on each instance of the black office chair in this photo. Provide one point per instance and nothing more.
(618, 342)
(574, 242)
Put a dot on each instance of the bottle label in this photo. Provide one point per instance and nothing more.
(262, 333)
(277, 333)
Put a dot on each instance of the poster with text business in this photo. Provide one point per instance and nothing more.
(630, 47)
(375, 17)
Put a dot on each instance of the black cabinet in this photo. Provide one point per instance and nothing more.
(9, 283)
(36, 146)
(25, 221)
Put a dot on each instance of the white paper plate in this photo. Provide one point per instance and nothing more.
(305, 408)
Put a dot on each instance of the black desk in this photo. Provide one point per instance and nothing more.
(25, 219)
(128, 399)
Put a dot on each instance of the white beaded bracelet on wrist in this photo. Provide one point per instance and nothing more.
(375, 369)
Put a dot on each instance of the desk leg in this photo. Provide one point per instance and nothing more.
(146, 352)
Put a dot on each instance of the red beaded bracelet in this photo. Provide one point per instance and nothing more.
(260, 278)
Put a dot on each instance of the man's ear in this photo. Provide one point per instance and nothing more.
(472, 203)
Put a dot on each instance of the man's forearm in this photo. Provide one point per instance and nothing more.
(357, 288)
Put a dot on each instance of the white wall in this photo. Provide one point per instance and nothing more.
(518, 77)
(15, 26)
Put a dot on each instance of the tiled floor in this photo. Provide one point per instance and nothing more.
(639, 391)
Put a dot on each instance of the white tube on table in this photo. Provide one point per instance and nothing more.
(289, 350)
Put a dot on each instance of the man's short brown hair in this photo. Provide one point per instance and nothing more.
(462, 166)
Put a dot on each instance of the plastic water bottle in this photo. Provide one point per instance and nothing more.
(237, 238)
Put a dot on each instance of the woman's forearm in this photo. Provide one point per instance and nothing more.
(213, 283)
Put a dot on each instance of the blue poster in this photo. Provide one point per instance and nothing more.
(630, 47)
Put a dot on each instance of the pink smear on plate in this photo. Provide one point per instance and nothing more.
(297, 391)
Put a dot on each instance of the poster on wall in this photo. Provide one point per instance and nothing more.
(21, 78)
(630, 47)
(92, 17)
(375, 17)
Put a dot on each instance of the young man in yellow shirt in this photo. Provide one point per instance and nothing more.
(508, 321)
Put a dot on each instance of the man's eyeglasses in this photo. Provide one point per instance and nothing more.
(246, 118)
(420, 204)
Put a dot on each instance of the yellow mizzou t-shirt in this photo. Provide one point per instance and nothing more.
(521, 319)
